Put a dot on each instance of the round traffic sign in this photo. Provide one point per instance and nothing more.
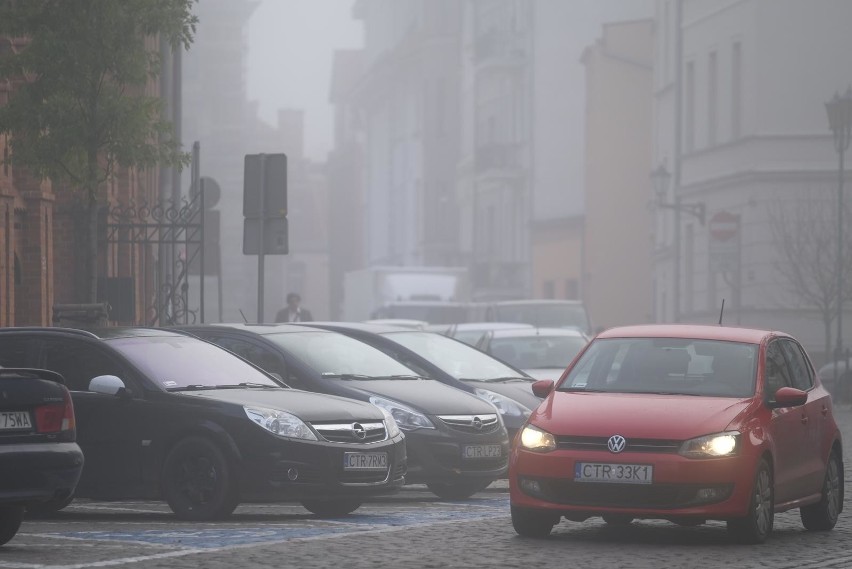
(723, 226)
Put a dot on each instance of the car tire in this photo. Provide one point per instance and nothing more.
(332, 508)
(757, 524)
(529, 523)
(458, 490)
(822, 516)
(198, 481)
(49, 507)
(617, 519)
(10, 521)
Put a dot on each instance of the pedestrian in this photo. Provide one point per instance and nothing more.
(293, 312)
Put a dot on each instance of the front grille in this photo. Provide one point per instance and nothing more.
(472, 423)
(654, 496)
(372, 432)
(633, 445)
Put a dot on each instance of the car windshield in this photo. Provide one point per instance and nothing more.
(178, 362)
(336, 355)
(455, 358)
(537, 352)
(544, 315)
(666, 365)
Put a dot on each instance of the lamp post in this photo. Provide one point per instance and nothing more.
(839, 111)
(661, 179)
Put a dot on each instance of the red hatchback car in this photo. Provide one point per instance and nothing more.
(682, 423)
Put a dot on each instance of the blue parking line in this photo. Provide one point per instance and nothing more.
(214, 538)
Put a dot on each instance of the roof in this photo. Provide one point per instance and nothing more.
(698, 331)
(260, 329)
(358, 326)
(105, 333)
(541, 332)
(486, 326)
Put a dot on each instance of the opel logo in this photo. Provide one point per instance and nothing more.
(616, 443)
(477, 423)
(359, 431)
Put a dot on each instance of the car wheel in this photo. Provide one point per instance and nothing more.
(458, 490)
(617, 519)
(529, 523)
(822, 516)
(198, 482)
(49, 507)
(756, 526)
(332, 508)
(10, 521)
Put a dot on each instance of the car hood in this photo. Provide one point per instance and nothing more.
(306, 405)
(425, 395)
(519, 390)
(637, 415)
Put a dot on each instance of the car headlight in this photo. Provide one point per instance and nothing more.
(535, 439)
(407, 418)
(504, 405)
(390, 423)
(712, 446)
(280, 423)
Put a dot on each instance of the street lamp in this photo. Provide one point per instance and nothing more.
(661, 178)
(839, 111)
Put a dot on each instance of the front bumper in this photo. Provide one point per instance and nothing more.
(436, 456)
(296, 470)
(681, 487)
(39, 472)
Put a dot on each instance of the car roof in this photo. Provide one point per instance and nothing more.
(484, 326)
(693, 331)
(543, 332)
(260, 329)
(105, 333)
(359, 327)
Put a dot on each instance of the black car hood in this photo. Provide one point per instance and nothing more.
(305, 405)
(424, 395)
(520, 390)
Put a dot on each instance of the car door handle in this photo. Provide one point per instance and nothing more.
(825, 411)
(804, 419)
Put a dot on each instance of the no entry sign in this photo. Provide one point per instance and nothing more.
(724, 226)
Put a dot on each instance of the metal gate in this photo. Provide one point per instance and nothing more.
(173, 232)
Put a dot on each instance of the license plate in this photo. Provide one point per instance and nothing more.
(482, 451)
(618, 473)
(15, 421)
(365, 461)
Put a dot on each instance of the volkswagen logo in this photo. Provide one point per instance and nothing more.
(359, 431)
(616, 443)
(477, 423)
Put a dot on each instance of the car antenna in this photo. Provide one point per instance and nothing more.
(722, 312)
(245, 320)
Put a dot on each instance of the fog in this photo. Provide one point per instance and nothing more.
(508, 145)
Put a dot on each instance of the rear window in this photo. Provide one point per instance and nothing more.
(666, 365)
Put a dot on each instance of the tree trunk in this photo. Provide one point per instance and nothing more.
(92, 251)
(826, 320)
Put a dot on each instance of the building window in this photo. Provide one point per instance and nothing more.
(689, 108)
(712, 97)
(736, 89)
(548, 290)
(572, 289)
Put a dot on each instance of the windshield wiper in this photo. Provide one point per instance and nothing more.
(498, 379)
(246, 384)
(347, 376)
(193, 387)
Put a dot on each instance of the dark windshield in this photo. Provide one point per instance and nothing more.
(455, 358)
(175, 362)
(335, 355)
(537, 352)
(666, 365)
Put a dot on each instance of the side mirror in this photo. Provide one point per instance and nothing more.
(542, 388)
(789, 397)
(108, 385)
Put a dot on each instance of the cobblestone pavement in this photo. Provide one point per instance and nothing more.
(411, 530)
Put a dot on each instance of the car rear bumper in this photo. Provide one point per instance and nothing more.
(31, 473)
(315, 470)
(681, 487)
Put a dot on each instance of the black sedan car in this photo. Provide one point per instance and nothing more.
(452, 362)
(456, 443)
(40, 461)
(162, 414)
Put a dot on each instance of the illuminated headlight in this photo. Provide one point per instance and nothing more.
(712, 446)
(390, 423)
(407, 418)
(504, 405)
(280, 423)
(537, 440)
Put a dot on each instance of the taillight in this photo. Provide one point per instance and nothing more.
(56, 417)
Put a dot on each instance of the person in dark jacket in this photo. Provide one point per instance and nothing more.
(293, 312)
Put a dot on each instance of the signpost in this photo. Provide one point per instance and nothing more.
(265, 212)
(724, 230)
